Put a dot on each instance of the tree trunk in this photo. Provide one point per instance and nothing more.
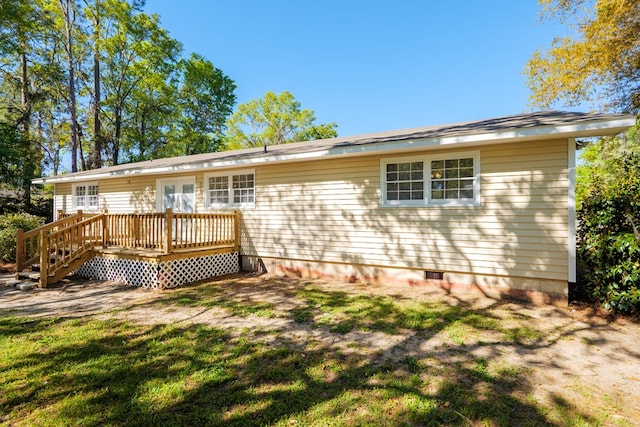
(83, 163)
(55, 148)
(142, 136)
(29, 167)
(66, 12)
(116, 139)
(95, 161)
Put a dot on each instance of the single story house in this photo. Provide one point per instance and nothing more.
(485, 205)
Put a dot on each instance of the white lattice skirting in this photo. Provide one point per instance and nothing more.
(160, 275)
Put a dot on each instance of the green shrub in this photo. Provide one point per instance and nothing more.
(609, 239)
(9, 225)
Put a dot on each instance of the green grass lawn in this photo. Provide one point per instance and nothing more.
(86, 371)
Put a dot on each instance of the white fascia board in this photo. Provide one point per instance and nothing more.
(116, 174)
(600, 128)
(69, 178)
(526, 134)
(592, 128)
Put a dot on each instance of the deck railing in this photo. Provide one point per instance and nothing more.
(201, 230)
(65, 241)
(142, 231)
(169, 231)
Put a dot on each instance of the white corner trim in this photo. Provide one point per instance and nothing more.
(55, 203)
(572, 211)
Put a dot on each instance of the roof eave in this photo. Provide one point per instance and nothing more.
(603, 127)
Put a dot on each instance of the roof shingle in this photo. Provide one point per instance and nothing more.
(544, 122)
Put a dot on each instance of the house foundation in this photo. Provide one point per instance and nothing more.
(533, 290)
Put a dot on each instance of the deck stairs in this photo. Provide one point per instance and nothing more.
(67, 267)
(49, 253)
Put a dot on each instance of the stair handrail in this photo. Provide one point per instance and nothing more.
(68, 244)
(28, 242)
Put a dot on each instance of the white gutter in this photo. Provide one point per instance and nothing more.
(592, 128)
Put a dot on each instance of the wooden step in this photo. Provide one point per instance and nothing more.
(38, 267)
(64, 251)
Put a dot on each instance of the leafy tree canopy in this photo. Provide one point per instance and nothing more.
(600, 64)
(105, 82)
(609, 216)
(599, 169)
(10, 154)
(274, 119)
(207, 97)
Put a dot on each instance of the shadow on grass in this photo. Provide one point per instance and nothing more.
(198, 375)
(278, 385)
(97, 372)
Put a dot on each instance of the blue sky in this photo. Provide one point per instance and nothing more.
(370, 65)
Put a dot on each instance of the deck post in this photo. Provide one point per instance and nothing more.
(105, 229)
(81, 238)
(135, 232)
(20, 249)
(59, 214)
(79, 216)
(236, 225)
(168, 229)
(44, 258)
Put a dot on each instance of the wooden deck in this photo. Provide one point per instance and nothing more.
(65, 245)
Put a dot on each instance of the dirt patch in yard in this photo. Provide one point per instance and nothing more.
(572, 356)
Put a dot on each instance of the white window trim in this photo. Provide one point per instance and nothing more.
(74, 200)
(160, 182)
(427, 201)
(230, 175)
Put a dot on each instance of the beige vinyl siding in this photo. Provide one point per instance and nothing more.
(330, 211)
(128, 195)
(125, 195)
(62, 200)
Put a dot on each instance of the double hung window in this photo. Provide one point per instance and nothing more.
(451, 179)
(85, 196)
(236, 189)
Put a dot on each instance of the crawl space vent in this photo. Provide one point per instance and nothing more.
(434, 275)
